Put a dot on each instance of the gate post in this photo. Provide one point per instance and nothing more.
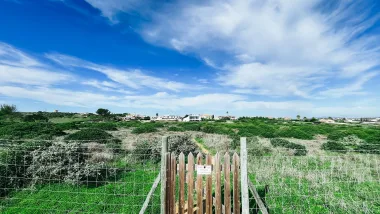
(244, 176)
(164, 150)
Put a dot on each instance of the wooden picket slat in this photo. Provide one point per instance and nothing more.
(199, 187)
(190, 185)
(173, 166)
(218, 187)
(209, 188)
(227, 186)
(236, 191)
(168, 181)
(181, 175)
(205, 201)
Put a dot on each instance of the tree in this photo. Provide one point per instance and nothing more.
(103, 112)
(305, 118)
(7, 109)
(298, 117)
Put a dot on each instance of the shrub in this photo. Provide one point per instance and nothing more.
(351, 140)
(29, 130)
(67, 162)
(147, 151)
(191, 126)
(175, 129)
(99, 125)
(67, 126)
(337, 135)
(35, 117)
(300, 150)
(14, 161)
(182, 143)
(293, 132)
(95, 135)
(144, 129)
(256, 148)
(368, 148)
(334, 146)
(209, 129)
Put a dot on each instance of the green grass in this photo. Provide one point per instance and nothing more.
(68, 119)
(125, 195)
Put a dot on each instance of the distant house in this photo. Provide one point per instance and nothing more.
(228, 117)
(326, 121)
(167, 118)
(207, 116)
(191, 118)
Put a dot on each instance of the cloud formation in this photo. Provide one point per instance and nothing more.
(273, 47)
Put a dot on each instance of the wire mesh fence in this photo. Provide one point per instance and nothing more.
(64, 176)
(41, 176)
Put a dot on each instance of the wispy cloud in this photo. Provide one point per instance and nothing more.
(132, 78)
(282, 48)
(17, 67)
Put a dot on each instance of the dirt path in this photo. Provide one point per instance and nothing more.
(202, 147)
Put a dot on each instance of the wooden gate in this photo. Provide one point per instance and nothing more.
(205, 178)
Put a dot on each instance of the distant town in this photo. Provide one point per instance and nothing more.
(212, 117)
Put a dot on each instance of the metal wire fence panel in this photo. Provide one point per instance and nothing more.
(76, 177)
(314, 182)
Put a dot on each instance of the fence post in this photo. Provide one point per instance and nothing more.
(164, 150)
(244, 176)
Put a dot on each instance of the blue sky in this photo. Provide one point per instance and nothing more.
(248, 57)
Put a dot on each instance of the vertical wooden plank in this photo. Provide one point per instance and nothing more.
(236, 190)
(164, 150)
(218, 186)
(190, 186)
(168, 182)
(199, 187)
(244, 176)
(227, 184)
(209, 187)
(181, 174)
(173, 182)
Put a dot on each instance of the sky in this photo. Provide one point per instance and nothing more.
(275, 58)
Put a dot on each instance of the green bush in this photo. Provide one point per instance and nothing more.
(24, 130)
(93, 135)
(191, 126)
(144, 129)
(35, 117)
(129, 124)
(175, 129)
(209, 129)
(337, 135)
(294, 132)
(368, 148)
(300, 150)
(99, 125)
(334, 146)
(67, 126)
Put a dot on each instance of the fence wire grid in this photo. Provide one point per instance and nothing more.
(45, 176)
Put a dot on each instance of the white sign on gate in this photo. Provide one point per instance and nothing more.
(204, 169)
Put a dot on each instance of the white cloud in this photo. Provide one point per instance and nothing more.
(132, 78)
(111, 8)
(354, 88)
(17, 67)
(107, 86)
(277, 47)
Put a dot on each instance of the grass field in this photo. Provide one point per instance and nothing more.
(318, 181)
(125, 195)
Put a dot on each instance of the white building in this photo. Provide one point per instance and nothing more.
(192, 118)
(167, 118)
